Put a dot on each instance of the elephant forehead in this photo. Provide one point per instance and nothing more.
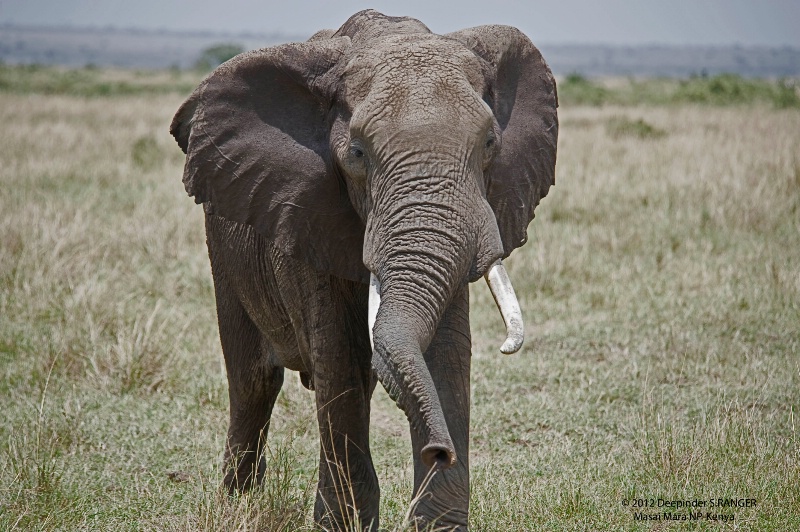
(408, 64)
(418, 81)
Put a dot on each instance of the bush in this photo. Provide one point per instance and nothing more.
(146, 154)
(721, 90)
(577, 89)
(732, 89)
(215, 55)
(625, 127)
(93, 82)
(786, 94)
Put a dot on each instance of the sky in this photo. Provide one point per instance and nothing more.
(614, 22)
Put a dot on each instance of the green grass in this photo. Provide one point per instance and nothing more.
(573, 89)
(660, 287)
(719, 90)
(618, 127)
(94, 82)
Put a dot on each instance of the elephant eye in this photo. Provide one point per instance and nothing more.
(490, 139)
(355, 159)
(490, 148)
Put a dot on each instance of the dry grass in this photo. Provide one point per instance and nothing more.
(663, 307)
(661, 288)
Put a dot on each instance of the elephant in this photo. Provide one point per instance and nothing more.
(353, 185)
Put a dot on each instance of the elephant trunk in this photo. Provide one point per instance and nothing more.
(404, 313)
(399, 363)
(504, 297)
(416, 271)
(420, 249)
(400, 366)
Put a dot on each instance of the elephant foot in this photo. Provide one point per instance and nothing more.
(447, 520)
(243, 471)
(349, 506)
(336, 522)
(441, 501)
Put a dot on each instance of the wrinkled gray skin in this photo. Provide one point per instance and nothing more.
(377, 148)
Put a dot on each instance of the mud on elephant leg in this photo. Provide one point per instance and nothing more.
(444, 501)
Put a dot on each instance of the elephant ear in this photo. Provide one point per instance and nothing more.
(522, 93)
(256, 139)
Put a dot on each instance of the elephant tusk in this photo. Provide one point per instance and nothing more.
(373, 305)
(506, 299)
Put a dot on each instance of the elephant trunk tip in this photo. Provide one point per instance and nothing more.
(438, 456)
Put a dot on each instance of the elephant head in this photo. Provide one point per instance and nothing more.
(382, 151)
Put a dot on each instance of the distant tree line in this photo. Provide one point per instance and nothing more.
(213, 56)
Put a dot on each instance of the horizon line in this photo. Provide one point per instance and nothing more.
(297, 37)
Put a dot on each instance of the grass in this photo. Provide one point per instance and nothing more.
(573, 89)
(95, 82)
(661, 290)
(718, 90)
(623, 126)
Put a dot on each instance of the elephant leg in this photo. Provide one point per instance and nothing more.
(253, 386)
(348, 495)
(442, 499)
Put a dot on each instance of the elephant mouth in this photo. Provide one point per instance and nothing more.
(504, 296)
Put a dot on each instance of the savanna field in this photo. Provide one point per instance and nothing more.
(660, 287)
